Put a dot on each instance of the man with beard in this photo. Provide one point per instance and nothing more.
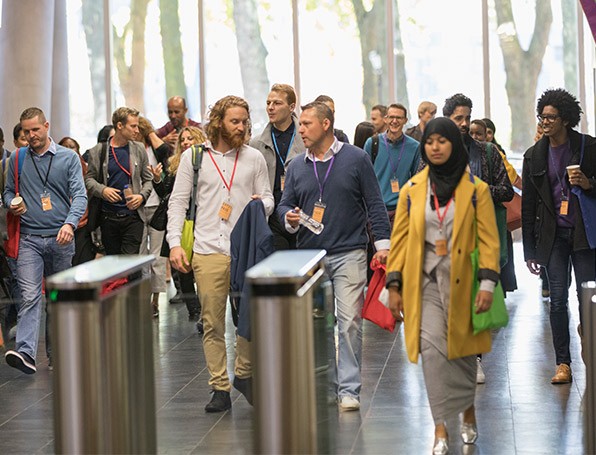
(231, 175)
(459, 109)
(335, 183)
(177, 114)
(279, 143)
(553, 223)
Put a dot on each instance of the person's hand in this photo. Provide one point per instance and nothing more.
(134, 201)
(484, 299)
(171, 138)
(293, 217)
(255, 196)
(111, 194)
(179, 260)
(381, 256)
(533, 266)
(396, 304)
(65, 234)
(577, 177)
(156, 171)
(17, 210)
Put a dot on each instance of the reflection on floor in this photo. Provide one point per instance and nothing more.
(518, 410)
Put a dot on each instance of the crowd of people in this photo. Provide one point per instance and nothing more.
(418, 200)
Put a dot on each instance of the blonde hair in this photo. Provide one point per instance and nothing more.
(218, 112)
(198, 136)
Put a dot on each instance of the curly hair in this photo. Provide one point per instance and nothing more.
(198, 136)
(454, 101)
(564, 102)
(218, 112)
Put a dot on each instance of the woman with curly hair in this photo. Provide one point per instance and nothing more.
(553, 228)
(187, 137)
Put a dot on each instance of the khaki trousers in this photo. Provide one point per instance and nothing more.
(212, 275)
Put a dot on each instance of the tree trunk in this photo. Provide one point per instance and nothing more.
(252, 54)
(522, 68)
(171, 44)
(400, 67)
(373, 46)
(132, 78)
(93, 26)
(569, 9)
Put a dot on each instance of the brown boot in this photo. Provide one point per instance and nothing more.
(563, 374)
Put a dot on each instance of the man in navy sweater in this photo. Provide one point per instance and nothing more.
(335, 183)
(51, 185)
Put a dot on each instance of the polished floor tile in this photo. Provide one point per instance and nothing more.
(518, 410)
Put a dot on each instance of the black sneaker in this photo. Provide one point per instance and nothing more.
(200, 327)
(220, 401)
(244, 386)
(50, 364)
(177, 299)
(20, 361)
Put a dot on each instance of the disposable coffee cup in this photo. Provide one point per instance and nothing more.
(18, 202)
(572, 167)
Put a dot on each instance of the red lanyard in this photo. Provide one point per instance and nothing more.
(118, 162)
(440, 216)
(229, 187)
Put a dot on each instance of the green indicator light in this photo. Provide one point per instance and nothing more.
(53, 295)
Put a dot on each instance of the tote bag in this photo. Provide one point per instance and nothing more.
(373, 310)
(188, 238)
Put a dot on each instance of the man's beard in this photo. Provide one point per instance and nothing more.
(235, 140)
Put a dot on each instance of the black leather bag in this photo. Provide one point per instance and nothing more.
(159, 220)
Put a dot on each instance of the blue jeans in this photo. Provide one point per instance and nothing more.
(38, 257)
(347, 273)
(561, 258)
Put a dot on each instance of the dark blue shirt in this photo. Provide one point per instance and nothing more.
(117, 178)
(283, 139)
(558, 159)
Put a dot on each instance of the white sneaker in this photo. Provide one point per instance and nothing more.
(349, 403)
(480, 376)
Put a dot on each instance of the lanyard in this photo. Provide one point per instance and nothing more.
(120, 166)
(564, 197)
(322, 185)
(403, 145)
(45, 182)
(283, 162)
(440, 216)
(229, 187)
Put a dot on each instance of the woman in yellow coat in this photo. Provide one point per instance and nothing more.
(429, 274)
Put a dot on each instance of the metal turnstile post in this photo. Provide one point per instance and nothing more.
(102, 348)
(588, 296)
(284, 384)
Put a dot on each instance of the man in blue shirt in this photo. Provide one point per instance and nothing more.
(397, 156)
(51, 185)
(335, 183)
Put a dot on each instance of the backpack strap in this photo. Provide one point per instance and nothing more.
(197, 159)
(374, 150)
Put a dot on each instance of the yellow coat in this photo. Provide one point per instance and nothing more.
(407, 252)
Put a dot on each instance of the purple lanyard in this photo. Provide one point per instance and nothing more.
(322, 185)
(562, 181)
(403, 145)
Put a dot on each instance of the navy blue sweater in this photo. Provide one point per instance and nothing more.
(352, 196)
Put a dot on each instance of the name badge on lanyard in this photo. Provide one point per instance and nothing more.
(46, 201)
(318, 211)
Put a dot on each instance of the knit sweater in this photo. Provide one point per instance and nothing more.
(351, 194)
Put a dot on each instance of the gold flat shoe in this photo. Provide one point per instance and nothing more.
(441, 447)
(469, 433)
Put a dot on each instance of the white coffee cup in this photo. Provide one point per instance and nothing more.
(572, 167)
(18, 201)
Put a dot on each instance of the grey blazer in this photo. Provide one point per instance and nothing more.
(141, 175)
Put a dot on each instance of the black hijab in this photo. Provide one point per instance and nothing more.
(445, 177)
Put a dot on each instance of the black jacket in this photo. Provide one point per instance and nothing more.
(539, 220)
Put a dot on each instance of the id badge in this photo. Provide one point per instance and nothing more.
(282, 182)
(441, 246)
(46, 202)
(395, 186)
(225, 211)
(564, 207)
(318, 211)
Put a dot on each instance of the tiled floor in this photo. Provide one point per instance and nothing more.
(518, 410)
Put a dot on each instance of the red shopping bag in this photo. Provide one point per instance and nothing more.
(373, 309)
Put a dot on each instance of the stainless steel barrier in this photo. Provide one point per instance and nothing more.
(102, 349)
(283, 346)
(588, 296)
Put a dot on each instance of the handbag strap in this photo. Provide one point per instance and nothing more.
(197, 159)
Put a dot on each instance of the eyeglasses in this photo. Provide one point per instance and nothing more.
(549, 117)
(394, 117)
